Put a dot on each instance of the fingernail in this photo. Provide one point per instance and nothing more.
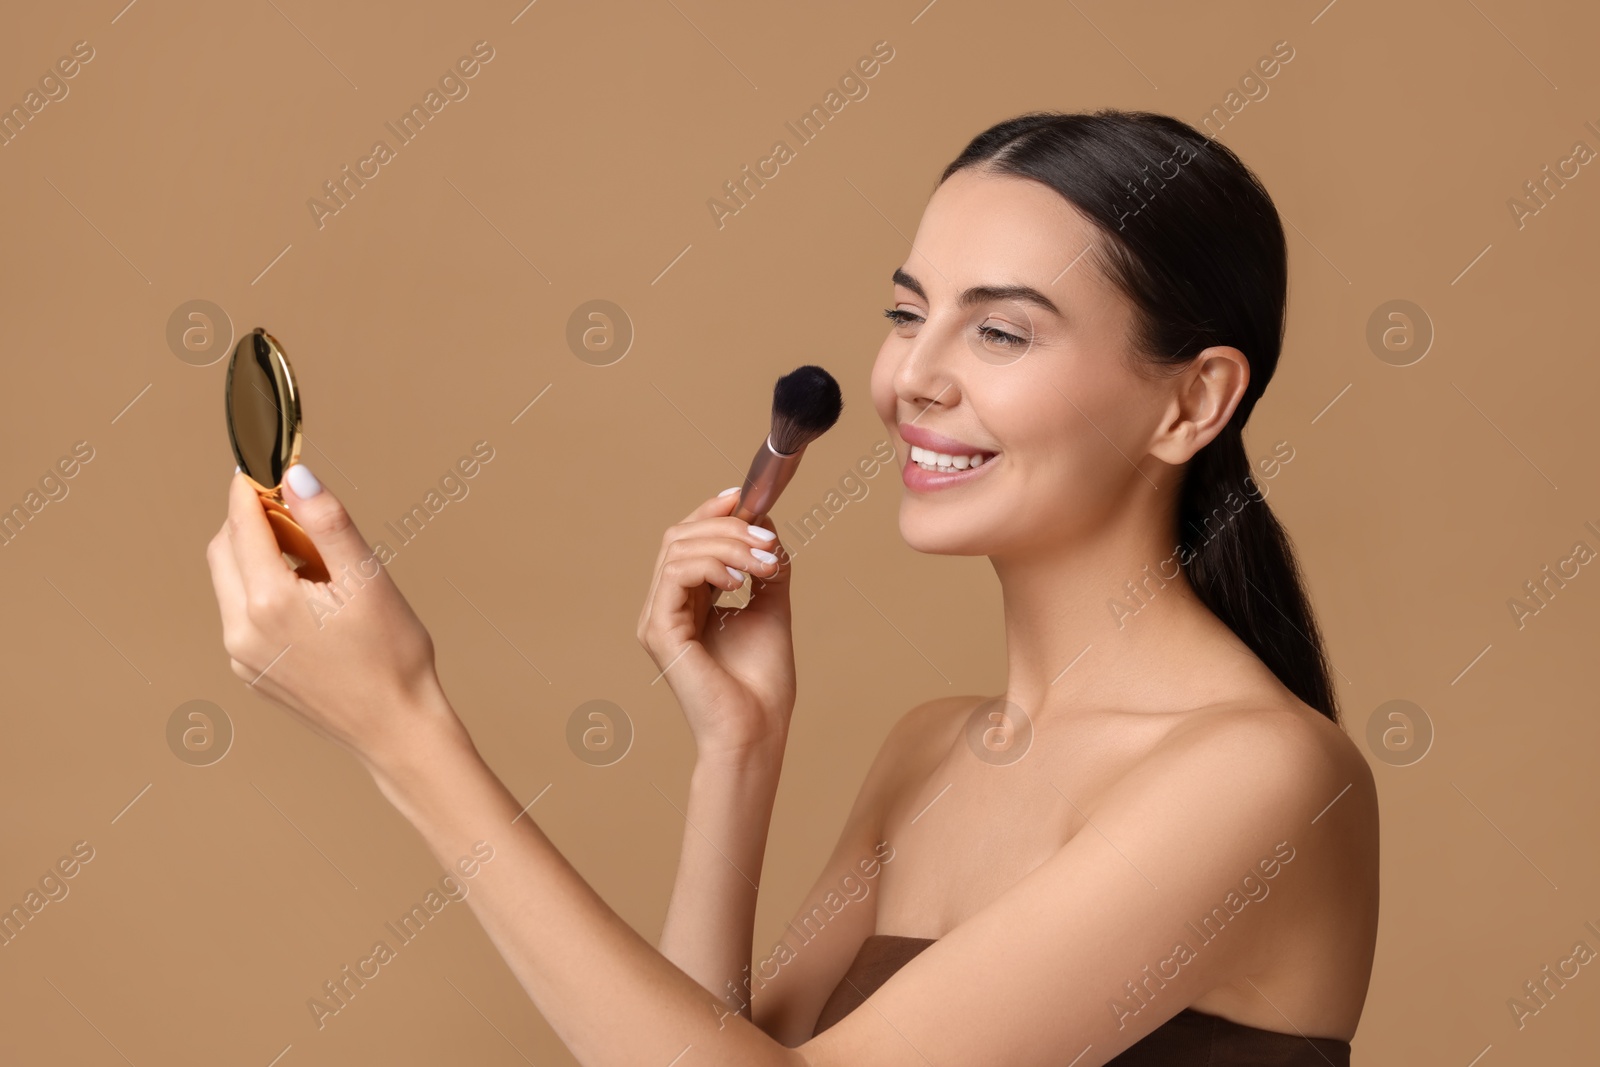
(725, 492)
(763, 555)
(303, 482)
(765, 535)
(738, 576)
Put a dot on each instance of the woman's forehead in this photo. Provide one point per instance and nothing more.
(995, 229)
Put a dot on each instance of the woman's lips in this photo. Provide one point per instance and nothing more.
(922, 437)
(923, 481)
(919, 480)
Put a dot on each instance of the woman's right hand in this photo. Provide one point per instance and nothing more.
(732, 670)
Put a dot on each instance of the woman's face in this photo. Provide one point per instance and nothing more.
(1015, 348)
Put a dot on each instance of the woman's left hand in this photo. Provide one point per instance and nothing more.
(348, 657)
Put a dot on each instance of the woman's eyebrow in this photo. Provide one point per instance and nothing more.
(979, 294)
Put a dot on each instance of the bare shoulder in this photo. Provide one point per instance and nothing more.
(1283, 770)
(1267, 749)
(924, 732)
(1289, 775)
(1189, 818)
(937, 719)
(1285, 749)
(1258, 770)
(913, 742)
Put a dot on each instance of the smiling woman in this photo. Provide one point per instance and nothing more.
(1100, 374)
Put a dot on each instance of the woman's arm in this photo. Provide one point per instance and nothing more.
(711, 915)
(352, 661)
(733, 675)
(612, 998)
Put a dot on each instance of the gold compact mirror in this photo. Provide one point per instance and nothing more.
(263, 406)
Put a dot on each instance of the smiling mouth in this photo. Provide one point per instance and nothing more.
(944, 463)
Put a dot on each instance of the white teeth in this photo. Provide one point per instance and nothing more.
(929, 460)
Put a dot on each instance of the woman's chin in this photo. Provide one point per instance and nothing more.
(939, 535)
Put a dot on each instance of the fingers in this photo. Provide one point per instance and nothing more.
(256, 556)
(713, 535)
(773, 547)
(771, 544)
(691, 572)
(324, 519)
(722, 526)
(742, 555)
(671, 611)
(227, 585)
(720, 504)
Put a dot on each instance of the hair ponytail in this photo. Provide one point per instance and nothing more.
(1191, 237)
(1241, 564)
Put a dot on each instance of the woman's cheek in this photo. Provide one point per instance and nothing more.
(884, 400)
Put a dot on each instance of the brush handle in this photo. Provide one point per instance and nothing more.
(769, 473)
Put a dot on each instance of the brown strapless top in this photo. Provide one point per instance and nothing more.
(1189, 1039)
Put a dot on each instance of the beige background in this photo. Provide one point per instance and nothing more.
(431, 310)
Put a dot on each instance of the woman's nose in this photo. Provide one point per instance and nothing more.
(926, 373)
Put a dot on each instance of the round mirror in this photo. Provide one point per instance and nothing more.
(263, 406)
(263, 409)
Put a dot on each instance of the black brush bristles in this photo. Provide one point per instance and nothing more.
(805, 404)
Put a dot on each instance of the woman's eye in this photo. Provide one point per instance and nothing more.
(1000, 337)
(995, 336)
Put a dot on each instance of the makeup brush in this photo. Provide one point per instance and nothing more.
(805, 405)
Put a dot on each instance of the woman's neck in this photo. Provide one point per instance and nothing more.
(1112, 622)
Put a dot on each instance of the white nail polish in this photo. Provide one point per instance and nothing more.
(765, 535)
(725, 492)
(302, 481)
(763, 555)
(738, 576)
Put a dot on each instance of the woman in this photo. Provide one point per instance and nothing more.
(1156, 846)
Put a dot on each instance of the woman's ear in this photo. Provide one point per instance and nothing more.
(1203, 399)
